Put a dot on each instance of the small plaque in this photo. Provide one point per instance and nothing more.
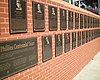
(79, 38)
(47, 47)
(83, 37)
(38, 17)
(81, 21)
(76, 20)
(58, 44)
(17, 55)
(18, 16)
(52, 18)
(92, 34)
(63, 19)
(87, 36)
(70, 20)
(66, 42)
(73, 40)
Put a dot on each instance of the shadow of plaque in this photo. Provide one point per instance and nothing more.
(76, 20)
(52, 18)
(81, 21)
(63, 19)
(47, 47)
(58, 44)
(38, 17)
(70, 20)
(66, 42)
(83, 37)
(18, 16)
(79, 38)
(87, 36)
(73, 40)
(17, 55)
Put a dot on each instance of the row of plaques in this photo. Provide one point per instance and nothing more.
(18, 17)
(17, 55)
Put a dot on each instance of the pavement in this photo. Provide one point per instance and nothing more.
(91, 71)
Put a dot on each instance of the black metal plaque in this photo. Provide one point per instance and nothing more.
(66, 42)
(83, 37)
(17, 55)
(63, 19)
(76, 20)
(47, 48)
(38, 17)
(73, 40)
(52, 18)
(70, 20)
(58, 44)
(81, 21)
(79, 38)
(92, 33)
(18, 16)
(87, 36)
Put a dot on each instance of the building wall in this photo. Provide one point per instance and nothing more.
(63, 67)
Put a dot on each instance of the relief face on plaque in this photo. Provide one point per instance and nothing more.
(79, 38)
(76, 20)
(58, 44)
(38, 17)
(18, 16)
(17, 55)
(81, 21)
(52, 18)
(70, 20)
(73, 40)
(63, 19)
(83, 37)
(66, 42)
(47, 47)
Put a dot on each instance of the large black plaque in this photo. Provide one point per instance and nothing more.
(38, 17)
(18, 16)
(63, 19)
(81, 21)
(66, 42)
(47, 47)
(73, 40)
(70, 20)
(76, 20)
(79, 38)
(58, 44)
(83, 37)
(52, 18)
(17, 55)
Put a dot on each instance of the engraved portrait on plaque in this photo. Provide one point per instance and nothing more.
(17, 55)
(66, 42)
(63, 19)
(52, 18)
(79, 38)
(38, 17)
(58, 44)
(70, 20)
(18, 16)
(76, 20)
(46, 48)
(73, 40)
(83, 37)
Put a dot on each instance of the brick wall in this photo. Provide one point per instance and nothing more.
(63, 67)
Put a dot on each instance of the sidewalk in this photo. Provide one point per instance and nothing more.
(91, 71)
